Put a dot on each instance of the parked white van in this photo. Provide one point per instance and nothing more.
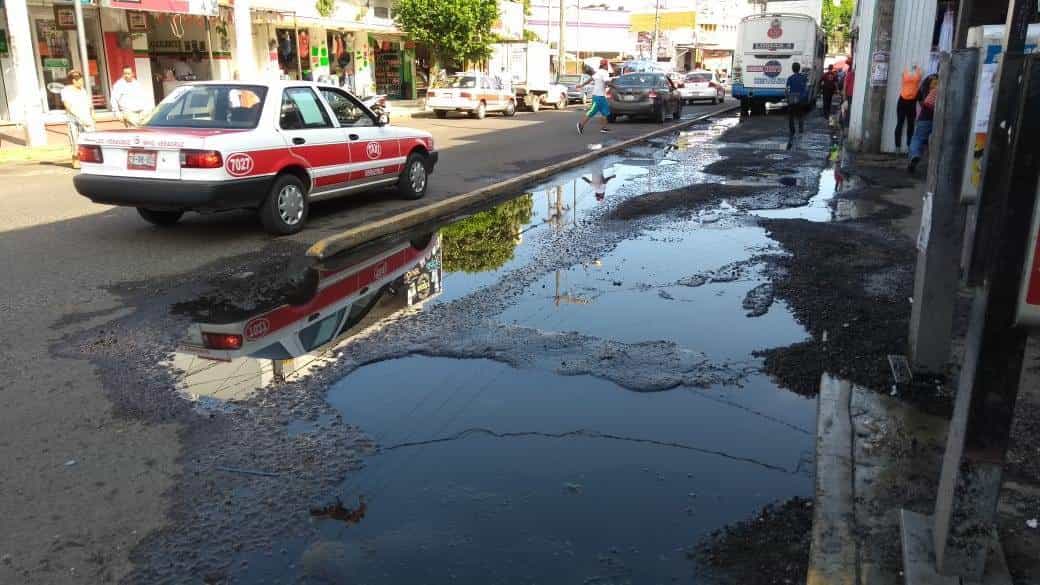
(767, 46)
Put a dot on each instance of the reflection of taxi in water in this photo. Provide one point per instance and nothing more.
(344, 296)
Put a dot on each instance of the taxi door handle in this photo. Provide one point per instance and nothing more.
(298, 140)
(353, 136)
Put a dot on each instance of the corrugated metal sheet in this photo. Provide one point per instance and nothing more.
(861, 62)
(912, 29)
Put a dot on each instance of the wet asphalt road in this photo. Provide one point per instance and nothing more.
(70, 452)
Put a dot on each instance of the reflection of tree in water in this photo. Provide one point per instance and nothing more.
(485, 241)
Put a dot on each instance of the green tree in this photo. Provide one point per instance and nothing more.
(457, 31)
(837, 19)
(486, 240)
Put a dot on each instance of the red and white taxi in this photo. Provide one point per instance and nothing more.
(274, 147)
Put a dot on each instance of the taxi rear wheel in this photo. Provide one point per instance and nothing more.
(285, 210)
(158, 217)
(414, 177)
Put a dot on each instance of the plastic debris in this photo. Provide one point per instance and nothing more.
(70, 463)
(574, 488)
(1032, 523)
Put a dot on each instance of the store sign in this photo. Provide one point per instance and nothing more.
(64, 18)
(136, 21)
(200, 7)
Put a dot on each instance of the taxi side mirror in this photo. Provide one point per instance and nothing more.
(384, 119)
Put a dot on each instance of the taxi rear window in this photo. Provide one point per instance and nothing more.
(210, 106)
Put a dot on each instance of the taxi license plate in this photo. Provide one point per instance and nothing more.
(141, 160)
(628, 98)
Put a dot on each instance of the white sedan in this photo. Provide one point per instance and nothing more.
(273, 147)
(702, 85)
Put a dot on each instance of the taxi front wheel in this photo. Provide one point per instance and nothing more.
(285, 210)
(158, 217)
(412, 184)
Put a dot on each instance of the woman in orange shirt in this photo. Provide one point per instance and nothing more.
(906, 110)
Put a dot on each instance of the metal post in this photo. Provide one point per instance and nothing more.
(969, 487)
(1002, 122)
(296, 43)
(209, 46)
(77, 7)
(657, 30)
(577, 39)
(561, 68)
(245, 58)
(939, 244)
(965, 15)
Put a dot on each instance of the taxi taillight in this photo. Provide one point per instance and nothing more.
(89, 153)
(201, 159)
(466, 95)
(222, 340)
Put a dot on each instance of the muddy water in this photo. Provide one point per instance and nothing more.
(496, 473)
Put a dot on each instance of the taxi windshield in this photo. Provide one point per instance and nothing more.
(210, 106)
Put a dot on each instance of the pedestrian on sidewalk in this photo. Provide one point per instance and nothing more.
(923, 129)
(848, 82)
(129, 102)
(797, 91)
(828, 85)
(600, 105)
(906, 109)
(76, 102)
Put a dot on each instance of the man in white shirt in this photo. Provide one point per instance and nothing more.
(600, 105)
(129, 102)
(76, 102)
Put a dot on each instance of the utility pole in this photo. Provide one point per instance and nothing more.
(979, 434)
(937, 278)
(561, 66)
(656, 31)
(81, 37)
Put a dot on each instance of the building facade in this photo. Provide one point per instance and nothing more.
(170, 42)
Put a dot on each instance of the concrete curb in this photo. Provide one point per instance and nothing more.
(833, 555)
(406, 219)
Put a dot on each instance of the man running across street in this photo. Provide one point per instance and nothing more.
(600, 105)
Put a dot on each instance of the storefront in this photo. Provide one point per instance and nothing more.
(54, 35)
(7, 79)
(184, 48)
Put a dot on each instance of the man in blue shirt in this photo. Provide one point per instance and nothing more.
(797, 95)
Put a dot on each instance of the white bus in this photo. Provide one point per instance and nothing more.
(767, 46)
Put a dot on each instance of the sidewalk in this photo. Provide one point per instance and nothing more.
(895, 438)
(57, 149)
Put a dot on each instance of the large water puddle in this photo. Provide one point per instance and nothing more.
(496, 473)
(491, 474)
